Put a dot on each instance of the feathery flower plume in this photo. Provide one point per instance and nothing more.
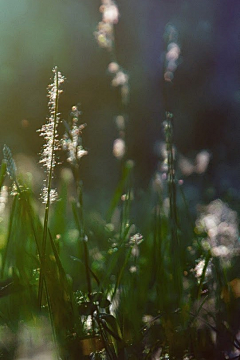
(50, 135)
(72, 140)
(120, 79)
(220, 225)
(172, 55)
(11, 166)
(105, 33)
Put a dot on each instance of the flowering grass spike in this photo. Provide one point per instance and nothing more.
(72, 140)
(48, 159)
(50, 135)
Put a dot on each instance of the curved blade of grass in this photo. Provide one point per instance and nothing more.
(198, 311)
(79, 224)
(111, 355)
(14, 210)
(74, 258)
(207, 259)
(111, 325)
(10, 288)
(119, 190)
(120, 273)
(57, 258)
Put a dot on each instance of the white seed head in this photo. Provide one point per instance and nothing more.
(49, 132)
(52, 196)
(110, 14)
(11, 166)
(72, 139)
(119, 148)
(136, 239)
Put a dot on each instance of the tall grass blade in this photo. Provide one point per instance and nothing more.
(127, 170)
(3, 172)
(13, 214)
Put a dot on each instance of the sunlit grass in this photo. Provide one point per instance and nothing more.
(114, 287)
(142, 280)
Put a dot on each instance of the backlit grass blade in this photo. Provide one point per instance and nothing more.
(13, 214)
(3, 172)
(49, 132)
(120, 189)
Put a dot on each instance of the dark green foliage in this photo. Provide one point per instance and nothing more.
(128, 287)
(122, 292)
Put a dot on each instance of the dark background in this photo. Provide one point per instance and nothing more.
(37, 35)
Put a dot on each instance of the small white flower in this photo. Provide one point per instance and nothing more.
(113, 67)
(81, 152)
(72, 139)
(133, 269)
(110, 14)
(136, 239)
(199, 269)
(121, 78)
(119, 148)
(220, 251)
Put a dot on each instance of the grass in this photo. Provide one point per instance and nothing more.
(143, 281)
(112, 289)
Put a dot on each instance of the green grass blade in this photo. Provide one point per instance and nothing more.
(127, 170)
(14, 210)
(3, 172)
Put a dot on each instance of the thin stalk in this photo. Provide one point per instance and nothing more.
(51, 318)
(171, 180)
(157, 245)
(82, 234)
(12, 216)
(173, 217)
(78, 206)
(120, 274)
(80, 224)
(104, 338)
(49, 182)
(125, 215)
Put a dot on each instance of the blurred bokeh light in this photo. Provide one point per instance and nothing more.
(37, 35)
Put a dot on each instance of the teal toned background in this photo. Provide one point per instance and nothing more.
(37, 35)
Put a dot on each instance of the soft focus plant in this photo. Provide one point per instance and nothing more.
(48, 159)
(106, 38)
(146, 281)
